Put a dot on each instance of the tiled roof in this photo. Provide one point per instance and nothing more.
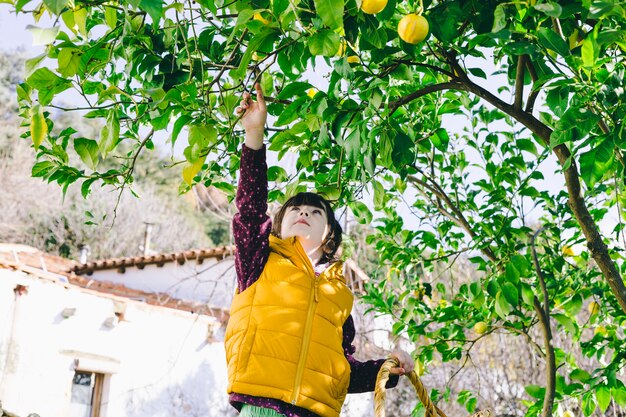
(59, 270)
(140, 262)
(27, 255)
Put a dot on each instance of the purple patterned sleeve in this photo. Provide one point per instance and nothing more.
(362, 374)
(251, 225)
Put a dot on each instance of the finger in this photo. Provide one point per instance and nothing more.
(397, 371)
(238, 110)
(259, 94)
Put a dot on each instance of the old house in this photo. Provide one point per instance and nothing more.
(135, 336)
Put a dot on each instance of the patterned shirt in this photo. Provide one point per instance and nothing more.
(251, 230)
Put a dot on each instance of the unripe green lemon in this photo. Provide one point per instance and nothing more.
(480, 327)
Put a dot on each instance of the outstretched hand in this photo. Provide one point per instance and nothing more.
(253, 117)
(407, 364)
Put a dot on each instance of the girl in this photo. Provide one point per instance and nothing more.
(289, 338)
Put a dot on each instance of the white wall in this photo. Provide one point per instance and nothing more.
(159, 360)
(211, 282)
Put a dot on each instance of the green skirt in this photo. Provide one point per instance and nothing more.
(254, 411)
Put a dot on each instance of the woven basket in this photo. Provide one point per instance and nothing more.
(431, 409)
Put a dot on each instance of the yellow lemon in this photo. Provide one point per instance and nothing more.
(480, 327)
(601, 330)
(593, 308)
(342, 48)
(311, 92)
(373, 6)
(257, 16)
(413, 28)
(568, 251)
(353, 59)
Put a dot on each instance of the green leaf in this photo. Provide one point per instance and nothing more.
(331, 12)
(595, 163)
(68, 60)
(110, 133)
(85, 188)
(55, 6)
(512, 274)
(38, 125)
(178, 126)
(603, 397)
(588, 404)
(41, 169)
(566, 322)
(290, 113)
(80, 19)
(294, 89)
(277, 174)
(590, 52)
(253, 45)
(440, 139)
(153, 7)
(510, 293)
(87, 149)
(324, 43)
(503, 307)
(528, 296)
(551, 40)
(600, 9)
(362, 214)
(499, 18)
(43, 36)
(521, 264)
(550, 9)
(535, 391)
(573, 305)
(31, 64)
(110, 17)
(396, 150)
(47, 84)
(580, 375)
(619, 395)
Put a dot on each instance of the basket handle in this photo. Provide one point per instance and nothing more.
(431, 409)
(379, 392)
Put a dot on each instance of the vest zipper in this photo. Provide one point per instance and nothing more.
(306, 339)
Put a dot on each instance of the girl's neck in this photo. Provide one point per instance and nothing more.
(313, 252)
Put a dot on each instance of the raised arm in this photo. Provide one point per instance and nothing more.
(251, 225)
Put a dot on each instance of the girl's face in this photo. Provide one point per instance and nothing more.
(308, 223)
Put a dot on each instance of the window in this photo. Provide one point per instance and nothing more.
(86, 394)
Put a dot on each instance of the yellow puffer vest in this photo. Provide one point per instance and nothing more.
(284, 337)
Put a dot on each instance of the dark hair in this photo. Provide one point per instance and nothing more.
(333, 238)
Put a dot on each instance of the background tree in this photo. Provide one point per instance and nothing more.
(383, 125)
(31, 214)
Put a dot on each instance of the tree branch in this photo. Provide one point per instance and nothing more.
(548, 399)
(534, 93)
(519, 81)
(458, 216)
(451, 85)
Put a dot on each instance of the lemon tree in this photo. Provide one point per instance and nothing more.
(454, 139)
